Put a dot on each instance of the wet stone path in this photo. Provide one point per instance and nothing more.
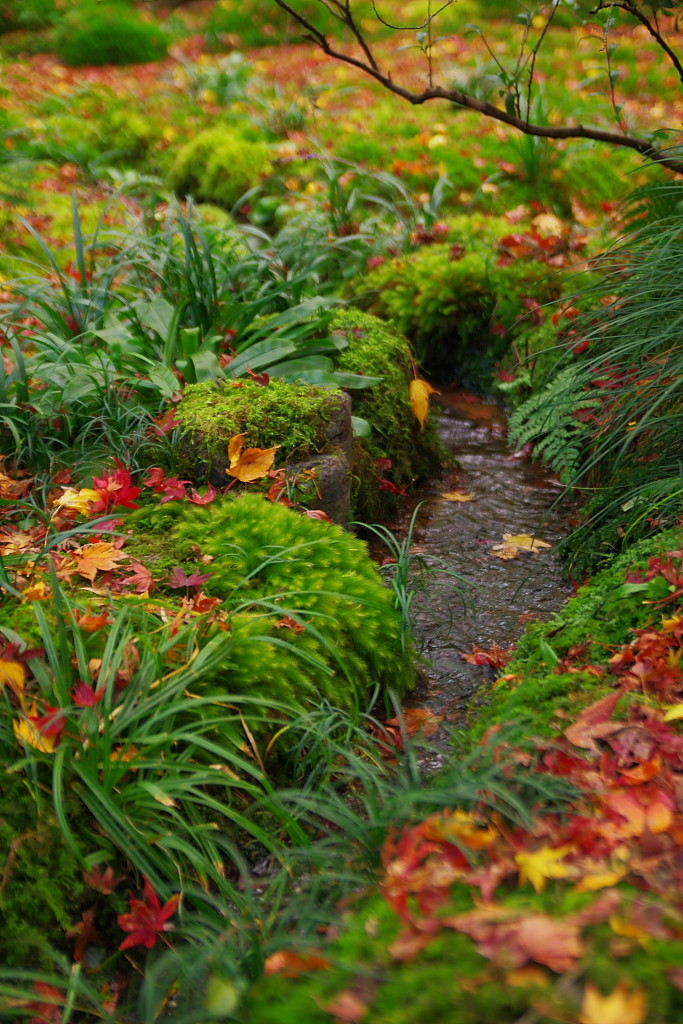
(510, 496)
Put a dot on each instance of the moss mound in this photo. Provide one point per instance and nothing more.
(112, 34)
(218, 166)
(268, 563)
(457, 307)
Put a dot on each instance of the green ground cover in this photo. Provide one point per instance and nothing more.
(198, 771)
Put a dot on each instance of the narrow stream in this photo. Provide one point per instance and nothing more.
(510, 496)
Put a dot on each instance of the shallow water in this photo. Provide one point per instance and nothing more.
(511, 496)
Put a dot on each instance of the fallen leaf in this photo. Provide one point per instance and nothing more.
(12, 674)
(98, 557)
(289, 623)
(621, 1007)
(291, 965)
(82, 501)
(420, 390)
(458, 496)
(537, 866)
(505, 551)
(249, 464)
(347, 1007)
(523, 542)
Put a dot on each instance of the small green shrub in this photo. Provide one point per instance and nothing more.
(460, 309)
(267, 562)
(109, 35)
(27, 14)
(218, 166)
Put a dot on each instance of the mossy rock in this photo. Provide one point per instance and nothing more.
(267, 563)
(302, 419)
(378, 349)
(311, 427)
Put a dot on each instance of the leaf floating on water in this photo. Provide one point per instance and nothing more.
(525, 541)
(516, 542)
(505, 551)
(458, 496)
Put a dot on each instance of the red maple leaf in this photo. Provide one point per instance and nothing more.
(179, 579)
(173, 489)
(147, 918)
(115, 489)
(203, 499)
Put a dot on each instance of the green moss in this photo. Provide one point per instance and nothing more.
(293, 416)
(268, 562)
(377, 349)
(42, 880)
(219, 166)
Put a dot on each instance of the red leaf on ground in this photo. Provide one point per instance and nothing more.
(147, 918)
(595, 723)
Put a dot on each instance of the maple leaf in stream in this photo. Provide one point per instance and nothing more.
(98, 557)
(179, 578)
(496, 656)
(147, 918)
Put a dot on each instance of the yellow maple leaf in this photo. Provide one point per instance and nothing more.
(673, 712)
(249, 464)
(12, 674)
(37, 591)
(601, 879)
(525, 541)
(28, 732)
(621, 1007)
(458, 496)
(98, 557)
(420, 390)
(82, 500)
(537, 866)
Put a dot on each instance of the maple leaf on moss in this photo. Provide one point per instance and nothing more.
(249, 464)
(83, 500)
(147, 918)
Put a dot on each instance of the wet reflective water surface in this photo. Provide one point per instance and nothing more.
(510, 496)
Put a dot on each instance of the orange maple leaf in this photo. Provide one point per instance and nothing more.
(98, 557)
(249, 464)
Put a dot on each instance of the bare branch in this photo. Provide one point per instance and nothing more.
(462, 99)
(654, 31)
